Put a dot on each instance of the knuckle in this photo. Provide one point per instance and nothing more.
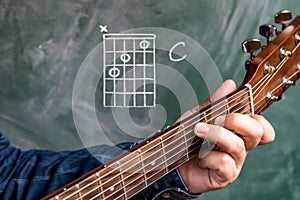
(259, 130)
(228, 170)
(234, 119)
(226, 161)
(239, 147)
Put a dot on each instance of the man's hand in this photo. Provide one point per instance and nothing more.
(235, 135)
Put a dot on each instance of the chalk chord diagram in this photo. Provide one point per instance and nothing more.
(129, 70)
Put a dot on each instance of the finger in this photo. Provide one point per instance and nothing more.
(246, 126)
(268, 132)
(225, 139)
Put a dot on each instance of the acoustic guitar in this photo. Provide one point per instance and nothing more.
(269, 73)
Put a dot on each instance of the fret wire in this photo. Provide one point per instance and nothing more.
(205, 117)
(226, 105)
(171, 136)
(79, 193)
(191, 131)
(100, 185)
(164, 154)
(143, 168)
(185, 141)
(122, 180)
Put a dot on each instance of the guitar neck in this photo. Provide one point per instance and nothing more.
(131, 172)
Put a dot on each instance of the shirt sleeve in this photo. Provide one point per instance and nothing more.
(35, 173)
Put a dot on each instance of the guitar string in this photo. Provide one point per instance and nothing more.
(241, 93)
(165, 140)
(172, 156)
(138, 156)
(281, 62)
(197, 117)
(161, 156)
(102, 184)
(117, 190)
(152, 170)
(233, 111)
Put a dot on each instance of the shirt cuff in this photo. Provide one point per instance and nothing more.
(170, 187)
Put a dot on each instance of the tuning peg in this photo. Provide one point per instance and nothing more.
(250, 46)
(283, 17)
(268, 31)
(271, 97)
(286, 81)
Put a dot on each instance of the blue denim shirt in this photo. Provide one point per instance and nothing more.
(35, 173)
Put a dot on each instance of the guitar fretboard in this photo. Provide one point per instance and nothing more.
(133, 171)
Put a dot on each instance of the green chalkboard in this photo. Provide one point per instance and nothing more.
(44, 44)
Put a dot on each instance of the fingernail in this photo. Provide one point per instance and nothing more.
(219, 121)
(201, 128)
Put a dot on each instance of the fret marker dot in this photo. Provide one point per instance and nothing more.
(77, 185)
(56, 197)
(112, 188)
(153, 163)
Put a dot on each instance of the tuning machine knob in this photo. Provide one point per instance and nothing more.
(283, 17)
(268, 31)
(250, 46)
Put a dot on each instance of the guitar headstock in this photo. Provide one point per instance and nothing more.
(277, 67)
